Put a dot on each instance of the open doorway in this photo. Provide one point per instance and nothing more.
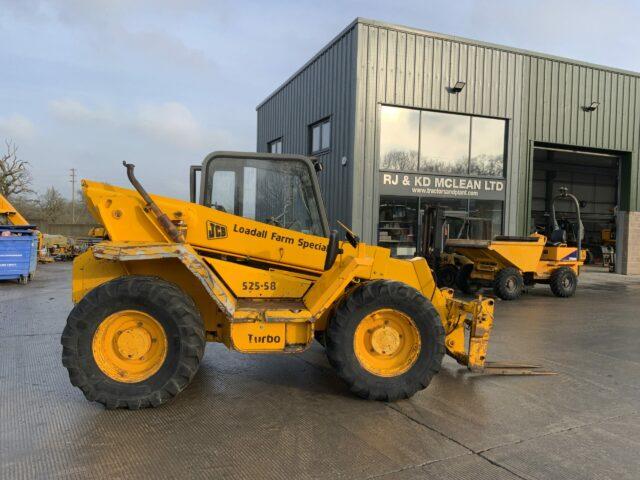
(593, 177)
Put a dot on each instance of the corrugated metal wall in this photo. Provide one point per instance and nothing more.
(372, 63)
(324, 87)
(541, 97)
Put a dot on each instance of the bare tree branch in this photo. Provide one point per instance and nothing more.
(15, 178)
(52, 205)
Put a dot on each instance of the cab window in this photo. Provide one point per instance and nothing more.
(275, 192)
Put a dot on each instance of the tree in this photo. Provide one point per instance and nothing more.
(15, 177)
(52, 205)
(401, 160)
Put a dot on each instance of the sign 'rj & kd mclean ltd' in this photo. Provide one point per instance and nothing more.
(421, 185)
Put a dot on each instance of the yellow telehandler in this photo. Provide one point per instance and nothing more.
(252, 264)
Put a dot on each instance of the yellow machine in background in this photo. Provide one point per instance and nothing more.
(9, 215)
(436, 229)
(253, 266)
(608, 237)
(509, 263)
(98, 233)
(58, 247)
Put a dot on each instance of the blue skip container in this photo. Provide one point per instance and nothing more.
(18, 253)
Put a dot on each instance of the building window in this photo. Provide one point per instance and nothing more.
(401, 220)
(441, 143)
(444, 143)
(398, 225)
(485, 219)
(399, 137)
(320, 134)
(275, 146)
(487, 147)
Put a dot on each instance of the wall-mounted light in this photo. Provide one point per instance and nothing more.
(592, 107)
(457, 88)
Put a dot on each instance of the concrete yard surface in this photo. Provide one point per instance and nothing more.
(290, 417)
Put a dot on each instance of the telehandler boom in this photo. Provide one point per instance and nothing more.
(9, 215)
(253, 265)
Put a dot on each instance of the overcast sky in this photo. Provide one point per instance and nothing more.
(86, 84)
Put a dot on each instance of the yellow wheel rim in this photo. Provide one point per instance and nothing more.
(387, 343)
(129, 346)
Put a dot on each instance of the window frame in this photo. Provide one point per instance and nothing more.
(209, 159)
(505, 158)
(319, 124)
(422, 202)
(274, 142)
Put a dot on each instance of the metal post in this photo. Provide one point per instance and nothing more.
(73, 195)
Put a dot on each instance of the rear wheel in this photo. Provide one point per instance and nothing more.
(563, 282)
(446, 276)
(133, 342)
(464, 282)
(508, 284)
(386, 341)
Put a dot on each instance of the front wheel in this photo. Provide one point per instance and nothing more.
(386, 341)
(563, 282)
(133, 342)
(508, 284)
(446, 276)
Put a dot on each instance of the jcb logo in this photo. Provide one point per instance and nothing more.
(215, 230)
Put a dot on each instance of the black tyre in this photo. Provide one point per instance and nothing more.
(446, 276)
(563, 282)
(508, 284)
(371, 341)
(133, 342)
(464, 282)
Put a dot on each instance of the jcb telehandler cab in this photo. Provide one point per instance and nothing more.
(253, 265)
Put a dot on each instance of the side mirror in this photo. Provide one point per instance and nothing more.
(193, 189)
(333, 249)
(317, 164)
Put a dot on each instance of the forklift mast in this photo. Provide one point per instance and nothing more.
(435, 232)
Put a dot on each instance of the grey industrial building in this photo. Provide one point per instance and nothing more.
(402, 118)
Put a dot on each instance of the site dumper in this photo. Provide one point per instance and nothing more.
(509, 263)
(253, 265)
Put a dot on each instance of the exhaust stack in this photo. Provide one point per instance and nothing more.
(171, 230)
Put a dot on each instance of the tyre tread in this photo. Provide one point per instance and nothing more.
(555, 282)
(500, 283)
(339, 342)
(138, 289)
